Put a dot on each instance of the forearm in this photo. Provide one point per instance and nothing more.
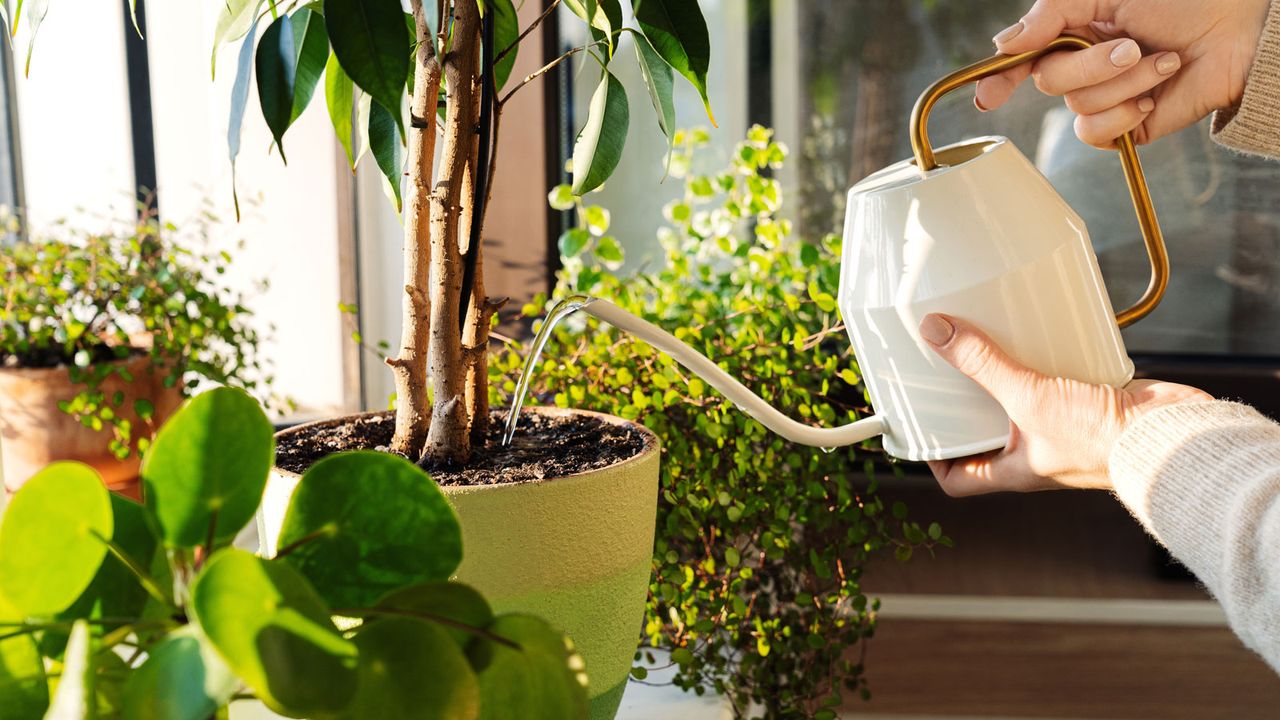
(1254, 126)
(1204, 479)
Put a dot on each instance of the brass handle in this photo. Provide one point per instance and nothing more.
(1133, 175)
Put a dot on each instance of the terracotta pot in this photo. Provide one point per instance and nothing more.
(34, 432)
(576, 551)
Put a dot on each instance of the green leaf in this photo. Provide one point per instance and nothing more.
(605, 15)
(239, 100)
(370, 41)
(412, 670)
(24, 690)
(506, 28)
(608, 250)
(384, 142)
(274, 631)
(596, 219)
(39, 9)
(678, 33)
(543, 679)
(659, 80)
(573, 242)
(450, 600)
(339, 95)
(809, 254)
(182, 679)
(312, 47)
(350, 544)
(561, 198)
(277, 66)
(74, 699)
(205, 472)
(51, 540)
(599, 145)
(235, 17)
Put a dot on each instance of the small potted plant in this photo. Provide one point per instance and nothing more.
(101, 334)
(111, 608)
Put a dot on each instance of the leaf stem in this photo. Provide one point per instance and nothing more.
(429, 617)
(533, 26)
(144, 579)
(546, 69)
(327, 530)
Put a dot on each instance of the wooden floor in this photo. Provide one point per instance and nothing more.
(1002, 670)
(1054, 548)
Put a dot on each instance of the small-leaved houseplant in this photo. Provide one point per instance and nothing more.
(756, 590)
(102, 334)
(109, 608)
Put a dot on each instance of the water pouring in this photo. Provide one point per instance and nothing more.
(973, 230)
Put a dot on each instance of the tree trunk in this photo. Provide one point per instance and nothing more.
(413, 414)
(448, 439)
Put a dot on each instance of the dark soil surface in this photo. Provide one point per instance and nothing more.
(543, 447)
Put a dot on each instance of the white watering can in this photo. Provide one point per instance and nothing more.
(975, 231)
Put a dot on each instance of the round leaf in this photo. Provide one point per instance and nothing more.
(543, 679)
(208, 467)
(367, 523)
(412, 670)
(450, 600)
(573, 242)
(182, 679)
(274, 631)
(370, 41)
(51, 540)
(599, 145)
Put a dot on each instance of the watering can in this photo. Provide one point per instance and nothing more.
(975, 231)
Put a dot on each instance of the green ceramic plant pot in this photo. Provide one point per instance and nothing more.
(574, 550)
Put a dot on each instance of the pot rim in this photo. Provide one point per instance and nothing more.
(651, 444)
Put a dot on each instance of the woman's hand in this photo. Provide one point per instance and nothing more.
(1062, 431)
(1189, 59)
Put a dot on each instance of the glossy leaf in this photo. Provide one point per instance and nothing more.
(182, 679)
(273, 630)
(450, 600)
(239, 100)
(678, 33)
(370, 41)
(659, 80)
(379, 523)
(506, 28)
(599, 145)
(312, 46)
(542, 679)
(24, 690)
(384, 143)
(605, 18)
(277, 66)
(75, 697)
(235, 17)
(51, 539)
(339, 95)
(412, 670)
(207, 468)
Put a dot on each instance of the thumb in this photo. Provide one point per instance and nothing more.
(1046, 20)
(970, 351)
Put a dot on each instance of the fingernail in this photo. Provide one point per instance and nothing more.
(1008, 33)
(1168, 63)
(1126, 54)
(1146, 105)
(978, 104)
(937, 330)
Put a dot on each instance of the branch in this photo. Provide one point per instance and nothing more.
(516, 43)
(546, 69)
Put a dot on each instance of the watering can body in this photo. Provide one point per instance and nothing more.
(983, 237)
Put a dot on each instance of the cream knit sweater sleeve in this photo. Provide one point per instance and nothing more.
(1254, 127)
(1204, 479)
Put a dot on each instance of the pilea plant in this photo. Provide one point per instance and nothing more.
(138, 612)
(757, 587)
(89, 300)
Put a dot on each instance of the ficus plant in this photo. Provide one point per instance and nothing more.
(757, 587)
(109, 608)
(395, 85)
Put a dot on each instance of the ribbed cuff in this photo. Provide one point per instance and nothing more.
(1186, 471)
(1254, 126)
